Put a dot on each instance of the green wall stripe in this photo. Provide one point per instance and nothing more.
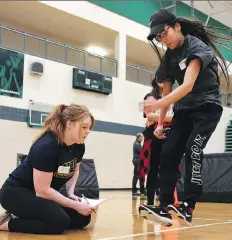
(20, 115)
(140, 11)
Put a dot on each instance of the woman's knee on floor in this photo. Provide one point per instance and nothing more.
(81, 222)
(5, 198)
(60, 224)
(85, 221)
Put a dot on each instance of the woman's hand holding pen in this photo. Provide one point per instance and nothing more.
(83, 208)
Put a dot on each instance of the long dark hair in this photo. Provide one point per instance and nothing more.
(155, 92)
(206, 35)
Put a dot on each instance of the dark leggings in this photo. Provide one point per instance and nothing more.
(38, 215)
(152, 177)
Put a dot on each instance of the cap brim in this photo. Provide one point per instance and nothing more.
(155, 30)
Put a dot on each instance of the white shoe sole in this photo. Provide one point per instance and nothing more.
(156, 218)
(180, 215)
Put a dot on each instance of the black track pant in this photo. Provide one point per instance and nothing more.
(38, 215)
(190, 134)
(152, 177)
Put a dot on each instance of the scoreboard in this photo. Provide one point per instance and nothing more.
(92, 81)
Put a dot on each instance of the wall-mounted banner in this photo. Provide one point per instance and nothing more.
(11, 73)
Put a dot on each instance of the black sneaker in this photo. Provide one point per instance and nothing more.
(143, 193)
(183, 212)
(156, 214)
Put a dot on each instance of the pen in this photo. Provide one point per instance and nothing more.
(86, 200)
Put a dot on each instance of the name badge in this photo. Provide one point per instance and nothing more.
(182, 64)
(64, 170)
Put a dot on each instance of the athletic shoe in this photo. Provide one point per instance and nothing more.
(143, 192)
(159, 215)
(183, 212)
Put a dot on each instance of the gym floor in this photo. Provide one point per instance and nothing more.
(118, 218)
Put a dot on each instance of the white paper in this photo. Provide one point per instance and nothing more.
(95, 202)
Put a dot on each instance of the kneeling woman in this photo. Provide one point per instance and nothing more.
(31, 191)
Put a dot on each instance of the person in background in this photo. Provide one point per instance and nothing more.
(136, 157)
(151, 151)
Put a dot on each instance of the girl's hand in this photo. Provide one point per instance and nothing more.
(149, 103)
(159, 132)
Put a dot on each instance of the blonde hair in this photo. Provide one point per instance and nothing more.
(56, 121)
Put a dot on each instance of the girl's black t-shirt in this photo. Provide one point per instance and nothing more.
(47, 155)
(206, 87)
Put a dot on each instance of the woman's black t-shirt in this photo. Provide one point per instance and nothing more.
(47, 155)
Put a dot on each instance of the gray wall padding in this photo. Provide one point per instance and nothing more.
(217, 178)
(87, 183)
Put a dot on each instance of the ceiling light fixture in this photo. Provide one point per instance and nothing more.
(97, 50)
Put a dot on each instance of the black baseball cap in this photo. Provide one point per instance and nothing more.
(158, 20)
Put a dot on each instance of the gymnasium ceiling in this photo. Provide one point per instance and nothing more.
(35, 17)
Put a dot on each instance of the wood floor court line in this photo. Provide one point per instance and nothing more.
(119, 219)
(166, 230)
